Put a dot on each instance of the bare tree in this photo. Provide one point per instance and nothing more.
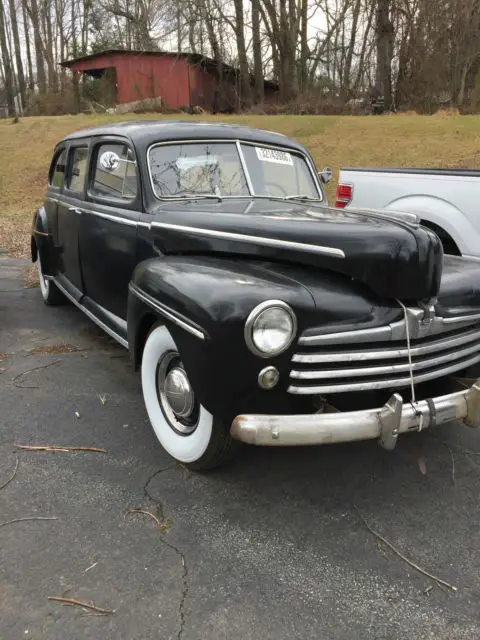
(7, 65)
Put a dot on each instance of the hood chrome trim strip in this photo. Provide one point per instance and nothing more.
(261, 240)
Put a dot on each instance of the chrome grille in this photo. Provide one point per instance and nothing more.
(370, 359)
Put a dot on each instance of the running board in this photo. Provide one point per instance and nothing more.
(113, 334)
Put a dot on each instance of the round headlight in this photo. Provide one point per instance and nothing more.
(270, 328)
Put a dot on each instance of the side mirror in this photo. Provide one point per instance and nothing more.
(325, 175)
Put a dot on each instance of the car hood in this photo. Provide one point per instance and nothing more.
(392, 256)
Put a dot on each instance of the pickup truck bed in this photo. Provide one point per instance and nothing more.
(445, 199)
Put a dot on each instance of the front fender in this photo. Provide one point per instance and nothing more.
(42, 242)
(215, 295)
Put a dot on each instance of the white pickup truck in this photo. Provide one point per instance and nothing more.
(445, 200)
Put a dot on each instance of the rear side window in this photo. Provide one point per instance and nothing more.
(115, 172)
(78, 170)
(57, 170)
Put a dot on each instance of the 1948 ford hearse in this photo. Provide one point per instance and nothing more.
(255, 312)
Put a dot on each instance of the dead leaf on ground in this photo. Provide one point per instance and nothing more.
(54, 349)
(422, 465)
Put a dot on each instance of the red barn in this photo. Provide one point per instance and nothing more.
(179, 79)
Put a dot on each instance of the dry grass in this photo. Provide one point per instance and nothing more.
(335, 141)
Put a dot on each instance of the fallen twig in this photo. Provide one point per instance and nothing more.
(24, 373)
(90, 567)
(163, 526)
(52, 447)
(78, 603)
(453, 464)
(4, 524)
(400, 555)
(13, 474)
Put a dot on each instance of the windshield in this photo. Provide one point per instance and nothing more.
(228, 169)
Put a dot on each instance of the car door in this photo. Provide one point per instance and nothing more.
(69, 211)
(56, 179)
(108, 231)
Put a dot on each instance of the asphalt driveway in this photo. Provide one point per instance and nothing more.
(270, 547)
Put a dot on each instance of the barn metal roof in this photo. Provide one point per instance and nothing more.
(194, 58)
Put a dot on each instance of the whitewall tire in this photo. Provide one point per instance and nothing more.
(184, 428)
(51, 294)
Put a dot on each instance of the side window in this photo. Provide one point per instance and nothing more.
(115, 172)
(78, 170)
(56, 176)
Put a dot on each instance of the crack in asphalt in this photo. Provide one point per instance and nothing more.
(180, 554)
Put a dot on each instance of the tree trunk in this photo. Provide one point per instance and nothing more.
(26, 30)
(304, 52)
(34, 16)
(257, 53)
(245, 89)
(7, 65)
(283, 53)
(48, 46)
(384, 37)
(18, 53)
(347, 81)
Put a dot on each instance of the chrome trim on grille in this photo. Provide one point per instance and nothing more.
(394, 330)
(384, 369)
(394, 383)
(165, 311)
(378, 358)
(379, 354)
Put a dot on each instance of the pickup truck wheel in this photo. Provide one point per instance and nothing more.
(51, 294)
(184, 428)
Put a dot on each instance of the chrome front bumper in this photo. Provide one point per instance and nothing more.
(385, 423)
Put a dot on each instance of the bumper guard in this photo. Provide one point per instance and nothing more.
(384, 423)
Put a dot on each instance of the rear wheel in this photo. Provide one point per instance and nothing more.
(51, 294)
(184, 428)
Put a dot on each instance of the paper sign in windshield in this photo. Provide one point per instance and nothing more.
(273, 155)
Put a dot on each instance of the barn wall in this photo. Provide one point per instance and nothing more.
(203, 85)
(145, 76)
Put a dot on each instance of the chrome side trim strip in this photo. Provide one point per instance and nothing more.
(380, 354)
(326, 374)
(382, 384)
(269, 242)
(108, 216)
(93, 317)
(165, 311)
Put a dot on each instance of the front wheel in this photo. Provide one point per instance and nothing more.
(184, 428)
(51, 294)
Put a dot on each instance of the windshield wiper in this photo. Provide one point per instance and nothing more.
(300, 196)
(199, 196)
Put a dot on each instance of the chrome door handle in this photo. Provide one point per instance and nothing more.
(75, 210)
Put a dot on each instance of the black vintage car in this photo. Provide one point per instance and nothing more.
(255, 312)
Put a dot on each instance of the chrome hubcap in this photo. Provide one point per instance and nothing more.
(179, 392)
(175, 394)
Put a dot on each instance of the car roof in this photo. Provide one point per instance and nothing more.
(146, 132)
